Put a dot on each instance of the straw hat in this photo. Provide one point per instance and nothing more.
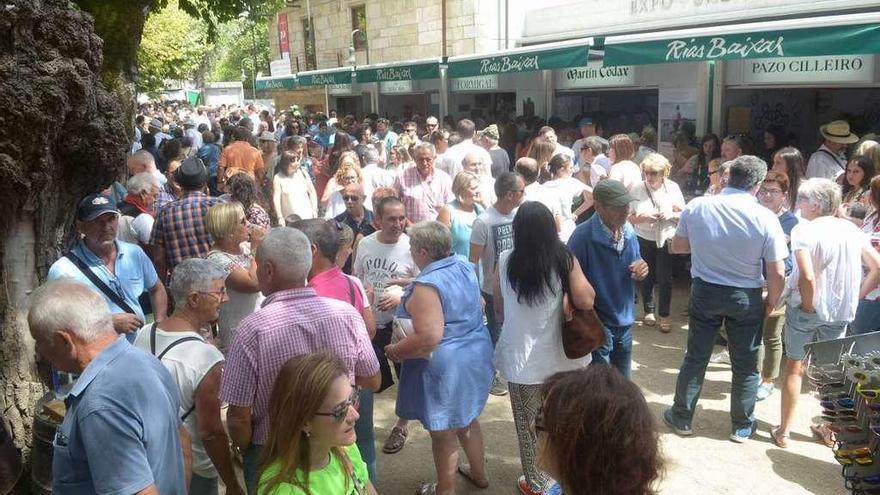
(838, 132)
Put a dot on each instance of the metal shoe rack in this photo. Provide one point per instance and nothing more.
(846, 375)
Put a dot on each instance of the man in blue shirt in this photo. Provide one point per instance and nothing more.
(608, 251)
(728, 236)
(123, 268)
(122, 432)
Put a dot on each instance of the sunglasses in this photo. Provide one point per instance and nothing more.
(868, 393)
(838, 404)
(839, 419)
(839, 413)
(848, 461)
(824, 387)
(341, 410)
(846, 429)
(854, 453)
(833, 396)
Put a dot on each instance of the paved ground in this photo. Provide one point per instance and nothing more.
(707, 463)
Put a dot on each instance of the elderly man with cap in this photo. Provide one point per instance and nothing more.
(180, 230)
(269, 153)
(155, 129)
(607, 248)
(190, 131)
(731, 237)
(489, 138)
(119, 271)
(829, 161)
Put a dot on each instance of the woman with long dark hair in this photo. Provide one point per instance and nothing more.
(530, 283)
(695, 174)
(341, 144)
(856, 186)
(790, 161)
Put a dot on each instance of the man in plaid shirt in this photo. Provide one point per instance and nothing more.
(293, 321)
(423, 189)
(180, 231)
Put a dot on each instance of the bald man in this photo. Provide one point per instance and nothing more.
(476, 163)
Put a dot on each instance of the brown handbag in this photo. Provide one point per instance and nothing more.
(582, 331)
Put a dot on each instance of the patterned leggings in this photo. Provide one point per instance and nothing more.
(525, 401)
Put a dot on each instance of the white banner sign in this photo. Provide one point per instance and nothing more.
(279, 67)
(339, 89)
(476, 83)
(835, 68)
(396, 87)
(594, 75)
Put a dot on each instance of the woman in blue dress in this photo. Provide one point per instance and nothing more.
(447, 358)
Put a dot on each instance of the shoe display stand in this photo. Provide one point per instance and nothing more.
(846, 376)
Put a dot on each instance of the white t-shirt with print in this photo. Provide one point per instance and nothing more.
(377, 262)
(188, 364)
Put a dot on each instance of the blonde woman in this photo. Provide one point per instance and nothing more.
(311, 444)
(460, 213)
(398, 159)
(655, 217)
(227, 225)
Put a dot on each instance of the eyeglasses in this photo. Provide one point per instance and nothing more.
(341, 410)
(838, 404)
(839, 413)
(861, 461)
(652, 172)
(846, 429)
(770, 192)
(221, 292)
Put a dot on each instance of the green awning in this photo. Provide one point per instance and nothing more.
(405, 72)
(533, 58)
(267, 84)
(804, 42)
(323, 78)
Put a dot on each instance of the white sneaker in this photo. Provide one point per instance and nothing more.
(649, 320)
(722, 357)
(764, 391)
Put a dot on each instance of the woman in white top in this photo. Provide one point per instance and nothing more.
(621, 151)
(227, 225)
(565, 187)
(195, 365)
(292, 190)
(528, 288)
(655, 217)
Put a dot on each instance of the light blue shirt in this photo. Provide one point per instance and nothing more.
(729, 235)
(120, 433)
(134, 273)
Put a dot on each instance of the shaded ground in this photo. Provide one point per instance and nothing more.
(707, 463)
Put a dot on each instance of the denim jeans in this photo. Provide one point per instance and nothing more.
(492, 323)
(867, 318)
(251, 459)
(366, 437)
(199, 485)
(660, 274)
(741, 311)
(617, 349)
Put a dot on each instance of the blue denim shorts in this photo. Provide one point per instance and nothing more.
(802, 328)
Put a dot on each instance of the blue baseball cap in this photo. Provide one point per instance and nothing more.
(585, 121)
(95, 205)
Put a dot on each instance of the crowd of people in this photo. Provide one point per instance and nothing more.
(312, 262)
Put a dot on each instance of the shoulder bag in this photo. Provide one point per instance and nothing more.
(582, 331)
(165, 351)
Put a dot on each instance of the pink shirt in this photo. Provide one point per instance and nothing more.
(337, 285)
(291, 323)
(423, 197)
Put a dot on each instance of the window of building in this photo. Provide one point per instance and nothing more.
(309, 46)
(359, 21)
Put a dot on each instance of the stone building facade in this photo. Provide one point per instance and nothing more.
(397, 30)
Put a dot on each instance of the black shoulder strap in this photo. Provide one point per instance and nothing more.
(97, 282)
(832, 155)
(165, 351)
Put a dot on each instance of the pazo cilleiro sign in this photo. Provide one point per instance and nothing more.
(844, 68)
(594, 75)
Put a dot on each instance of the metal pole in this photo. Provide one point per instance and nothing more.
(254, 55)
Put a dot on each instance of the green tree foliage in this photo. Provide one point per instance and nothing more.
(174, 47)
(233, 52)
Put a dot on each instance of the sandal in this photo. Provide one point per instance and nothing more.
(823, 435)
(664, 325)
(427, 489)
(396, 440)
(465, 471)
(781, 440)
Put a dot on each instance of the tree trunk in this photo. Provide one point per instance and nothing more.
(62, 136)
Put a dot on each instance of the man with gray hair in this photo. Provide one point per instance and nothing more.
(424, 189)
(729, 236)
(293, 321)
(825, 285)
(121, 432)
(137, 209)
